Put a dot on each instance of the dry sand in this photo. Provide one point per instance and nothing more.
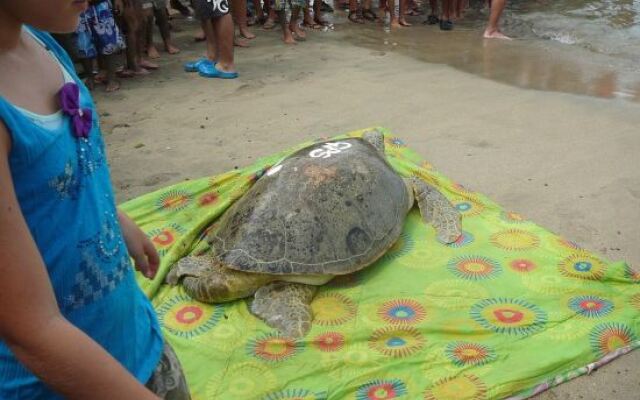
(568, 162)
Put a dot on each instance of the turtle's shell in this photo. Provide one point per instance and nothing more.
(331, 208)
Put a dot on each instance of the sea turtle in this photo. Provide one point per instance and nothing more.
(329, 209)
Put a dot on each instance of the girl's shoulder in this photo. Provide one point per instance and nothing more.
(51, 44)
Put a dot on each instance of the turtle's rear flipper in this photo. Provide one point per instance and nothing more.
(437, 210)
(285, 306)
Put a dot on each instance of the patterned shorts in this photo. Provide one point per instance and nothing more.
(207, 9)
(98, 33)
(168, 380)
(280, 5)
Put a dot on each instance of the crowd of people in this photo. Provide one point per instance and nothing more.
(111, 27)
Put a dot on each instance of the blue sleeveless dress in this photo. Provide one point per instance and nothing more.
(64, 190)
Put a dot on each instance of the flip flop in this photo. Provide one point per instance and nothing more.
(446, 25)
(414, 12)
(194, 66)
(431, 20)
(297, 37)
(355, 18)
(369, 15)
(313, 25)
(125, 73)
(210, 71)
(322, 23)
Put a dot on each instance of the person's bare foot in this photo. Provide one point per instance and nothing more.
(288, 38)
(112, 86)
(226, 67)
(100, 77)
(395, 23)
(199, 37)
(89, 83)
(246, 33)
(269, 24)
(298, 33)
(495, 34)
(171, 49)
(146, 64)
(240, 42)
(403, 22)
(125, 73)
(141, 71)
(152, 52)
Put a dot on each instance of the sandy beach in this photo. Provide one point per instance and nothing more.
(566, 161)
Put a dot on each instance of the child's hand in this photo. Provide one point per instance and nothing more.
(140, 247)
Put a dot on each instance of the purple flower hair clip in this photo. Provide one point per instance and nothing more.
(80, 117)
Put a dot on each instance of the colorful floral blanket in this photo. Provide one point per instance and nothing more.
(507, 311)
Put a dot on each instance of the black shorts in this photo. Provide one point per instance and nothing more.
(207, 9)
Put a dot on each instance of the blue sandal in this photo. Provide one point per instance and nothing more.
(210, 71)
(194, 66)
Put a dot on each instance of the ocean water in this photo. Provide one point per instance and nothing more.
(608, 27)
(585, 47)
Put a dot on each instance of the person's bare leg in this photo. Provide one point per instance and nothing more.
(142, 30)
(307, 18)
(152, 52)
(402, 12)
(199, 36)
(391, 5)
(162, 20)
(293, 23)
(382, 10)
(446, 10)
(210, 37)
(287, 36)
(257, 6)
(457, 9)
(110, 65)
(223, 32)
(87, 68)
(239, 10)
(317, 13)
(270, 23)
(354, 15)
(493, 31)
(132, 15)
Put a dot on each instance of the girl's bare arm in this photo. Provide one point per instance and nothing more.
(52, 348)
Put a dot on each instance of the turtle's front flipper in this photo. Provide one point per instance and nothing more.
(437, 210)
(285, 306)
(376, 139)
(188, 266)
(204, 279)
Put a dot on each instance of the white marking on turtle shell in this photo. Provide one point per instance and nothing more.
(274, 170)
(329, 149)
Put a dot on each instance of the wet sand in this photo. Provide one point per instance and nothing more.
(565, 161)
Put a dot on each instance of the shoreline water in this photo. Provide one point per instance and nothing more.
(528, 61)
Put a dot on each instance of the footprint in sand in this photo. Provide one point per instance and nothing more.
(155, 179)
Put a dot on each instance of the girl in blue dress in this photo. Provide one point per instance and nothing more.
(73, 322)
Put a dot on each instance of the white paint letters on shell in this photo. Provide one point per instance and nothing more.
(329, 149)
